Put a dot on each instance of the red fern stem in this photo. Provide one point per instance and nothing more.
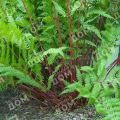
(69, 23)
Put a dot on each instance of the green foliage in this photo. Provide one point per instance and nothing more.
(22, 78)
(36, 45)
(109, 107)
(98, 91)
(59, 9)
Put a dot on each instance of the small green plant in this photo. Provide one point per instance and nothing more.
(12, 117)
(56, 115)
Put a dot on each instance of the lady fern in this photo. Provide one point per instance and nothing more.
(40, 39)
(99, 92)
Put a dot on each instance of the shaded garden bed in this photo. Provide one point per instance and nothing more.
(32, 110)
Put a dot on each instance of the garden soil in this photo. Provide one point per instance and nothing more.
(11, 108)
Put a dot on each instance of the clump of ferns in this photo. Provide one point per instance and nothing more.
(58, 51)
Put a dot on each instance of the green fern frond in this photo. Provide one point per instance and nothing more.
(116, 90)
(70, 88)
(87, 42)
(96, 89)
(99, 11)
(91, 19)
(51, 58)
(59, 9)
(55, 51)
(50, 80)
(93, 29)
(22, 77)
(109, 107)
(75, 7)
(87, 78)
(78, 75)
(87, 68)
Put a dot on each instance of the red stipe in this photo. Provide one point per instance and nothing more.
(43, 104)
(32, 90)
(18, 58)
(115, 63)
(78, 29)
(99, 27)
(61, 85)
(108, 68)
(36, 34)
(58, 25)
(33, 26)
(83, 48)
(4, 13)
(69, 24)
(82, 59)
(114, 11)
(34, 9)
(37, 93)
(48, 99)
(50, 93)
(11, 49)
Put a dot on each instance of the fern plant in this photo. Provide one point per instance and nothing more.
(49, 44)
(98, 89)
